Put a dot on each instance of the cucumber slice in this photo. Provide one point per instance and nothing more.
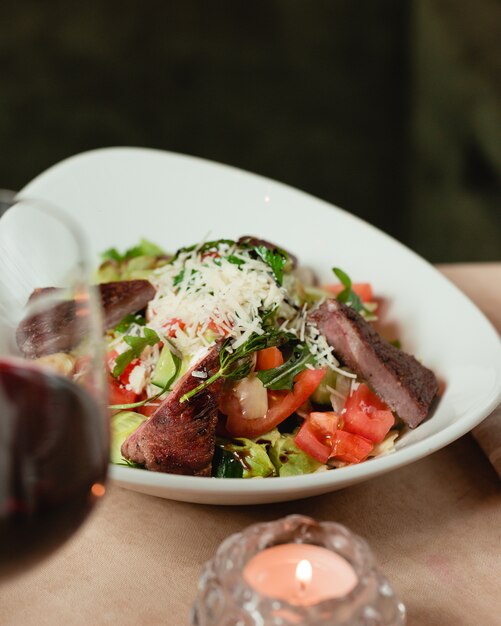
(123, 424)
(166, 368)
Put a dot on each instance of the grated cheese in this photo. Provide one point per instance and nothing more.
(214, 297)
(201, 297)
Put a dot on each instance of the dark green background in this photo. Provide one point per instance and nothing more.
(384, 107)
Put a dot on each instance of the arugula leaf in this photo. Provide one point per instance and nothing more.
(275, 258)
(348, 296)
(178, 279)
(127, 322)
(282, 377)
(137, 345)
(235, 260)
(144, 248)
(237, 364)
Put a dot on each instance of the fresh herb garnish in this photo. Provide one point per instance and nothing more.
(275, 258)
(166, 387)
(144, 248)
(205, 247)
(268, 318)
(127, 463)
(137, 345)
(282, 377)
(237, 364)
(178, 278)
(348, 296)
(235, 260)
(127, 322)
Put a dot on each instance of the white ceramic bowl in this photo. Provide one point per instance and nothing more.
(121, 194)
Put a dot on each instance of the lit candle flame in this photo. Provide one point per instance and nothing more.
(304, 573)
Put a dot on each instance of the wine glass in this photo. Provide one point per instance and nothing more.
(54, 445)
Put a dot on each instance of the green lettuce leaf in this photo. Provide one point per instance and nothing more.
(251, 456)
(289, 460)
(123, 424)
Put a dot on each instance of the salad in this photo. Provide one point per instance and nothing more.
(233, 368)
(228, 359)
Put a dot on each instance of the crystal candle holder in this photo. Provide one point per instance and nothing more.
(226, 598)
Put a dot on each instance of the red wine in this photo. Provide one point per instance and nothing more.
(54, 452)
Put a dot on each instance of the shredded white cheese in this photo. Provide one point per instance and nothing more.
(202, 297)
(224, 292)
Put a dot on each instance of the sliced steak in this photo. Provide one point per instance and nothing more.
(123, 298)
(179, 438)
(406, 386)
(60, 328)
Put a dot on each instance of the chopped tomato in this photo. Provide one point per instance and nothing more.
(321, 438)
(173, 325)
(118, 394)
(316, 435)
(211, 254)
(281, 404)
(363, 290)
(125, 375)
(350, 448)
(365, 414)
(268, 358)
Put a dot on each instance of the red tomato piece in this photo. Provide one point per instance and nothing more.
(218, 330)
(366, 415)
(173, 325)
(350, 448)
(211, 254)
(125, 375)
(307, 440)
(363, 290)
(281, 404)
(118, 394)
(316, 435)
(268, 358)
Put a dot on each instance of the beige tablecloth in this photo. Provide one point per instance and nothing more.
(435, 527)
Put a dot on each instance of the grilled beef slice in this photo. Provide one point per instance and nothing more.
(59, 329)
(123, 298)
(406, 386)
(179, 438)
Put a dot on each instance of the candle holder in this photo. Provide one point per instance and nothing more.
(225, 597)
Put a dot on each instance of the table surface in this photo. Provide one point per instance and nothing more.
(434, 527)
